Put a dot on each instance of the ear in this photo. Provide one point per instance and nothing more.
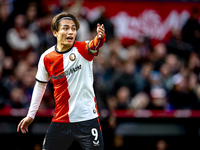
(55, 33)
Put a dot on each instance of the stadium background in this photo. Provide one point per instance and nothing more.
(146, 75)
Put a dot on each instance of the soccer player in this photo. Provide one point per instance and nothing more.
(69, 64)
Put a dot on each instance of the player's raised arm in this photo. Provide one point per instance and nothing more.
(94, 45)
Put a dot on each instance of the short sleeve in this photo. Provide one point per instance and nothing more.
(42, 74)
(84, 51)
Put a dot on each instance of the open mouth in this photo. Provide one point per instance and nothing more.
(69, 38)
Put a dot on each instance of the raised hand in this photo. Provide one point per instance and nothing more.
(100, 30)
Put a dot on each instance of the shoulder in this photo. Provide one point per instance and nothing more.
(48, 51)
(83, 50)
(45, 55)
(51, 49)
(80, 44)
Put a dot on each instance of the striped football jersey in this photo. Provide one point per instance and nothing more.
(72, 76)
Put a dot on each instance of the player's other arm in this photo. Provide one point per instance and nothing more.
(42, 78)
(37, 95)
(94, 45)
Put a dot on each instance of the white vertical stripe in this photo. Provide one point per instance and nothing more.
(80, 87)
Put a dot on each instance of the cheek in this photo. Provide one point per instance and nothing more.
(62, 36)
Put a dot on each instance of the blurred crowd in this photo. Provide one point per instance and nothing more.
(145, 74)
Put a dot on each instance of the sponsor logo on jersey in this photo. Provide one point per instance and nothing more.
(72, 56)
(67, 73)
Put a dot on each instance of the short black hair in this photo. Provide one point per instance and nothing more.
(55, 20)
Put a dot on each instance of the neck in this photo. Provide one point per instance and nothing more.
(62, 47)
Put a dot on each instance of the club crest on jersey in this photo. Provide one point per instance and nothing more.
(72, 56)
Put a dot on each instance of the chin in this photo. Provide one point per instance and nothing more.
(68, 43)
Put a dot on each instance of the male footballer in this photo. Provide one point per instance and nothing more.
(69, 64)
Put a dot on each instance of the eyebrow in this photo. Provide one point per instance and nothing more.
(69, 25)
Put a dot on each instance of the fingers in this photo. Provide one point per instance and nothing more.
(100, 30)
(22, 127)
(102, 26)
(26, 129)
(19, 126)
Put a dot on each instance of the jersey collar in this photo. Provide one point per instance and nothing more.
(64, 51)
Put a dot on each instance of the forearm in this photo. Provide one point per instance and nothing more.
(95, 44)
(37, 95)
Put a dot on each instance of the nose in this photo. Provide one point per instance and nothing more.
(70, 31)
